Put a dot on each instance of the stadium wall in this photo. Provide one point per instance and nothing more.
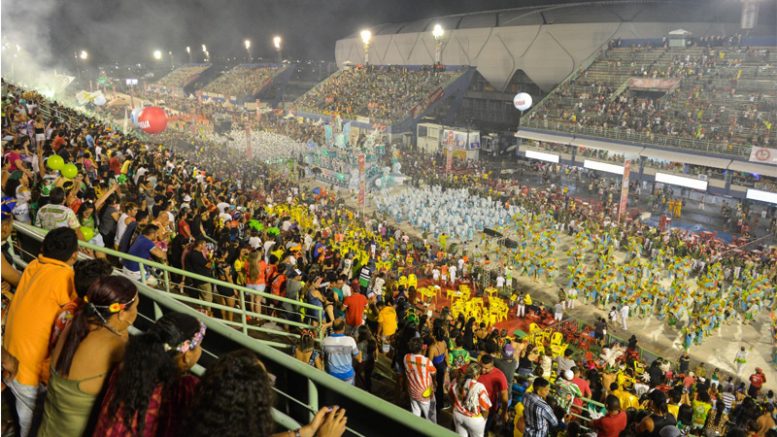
(547, 43)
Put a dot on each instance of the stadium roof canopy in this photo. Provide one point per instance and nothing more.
(547, 42)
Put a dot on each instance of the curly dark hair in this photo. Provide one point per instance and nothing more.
(147, 364)
(233, 399)
(86, 272)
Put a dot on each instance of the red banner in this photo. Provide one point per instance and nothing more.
(624, 189)
(362, 182)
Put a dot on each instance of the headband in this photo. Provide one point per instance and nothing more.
(114, 307)
(189, 344)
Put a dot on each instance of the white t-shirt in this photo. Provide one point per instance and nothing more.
(121, 226)
(222, 206)
(255, 242)
(500, 281)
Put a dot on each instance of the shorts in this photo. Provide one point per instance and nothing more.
(206, 291)
(40, 138)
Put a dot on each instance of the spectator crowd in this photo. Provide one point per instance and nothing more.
(205, 207)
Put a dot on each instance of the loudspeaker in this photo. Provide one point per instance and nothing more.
(492, 233)
(508, 243)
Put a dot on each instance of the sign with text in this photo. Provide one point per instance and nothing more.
(763, 155)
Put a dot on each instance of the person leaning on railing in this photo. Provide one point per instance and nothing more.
(235, 398)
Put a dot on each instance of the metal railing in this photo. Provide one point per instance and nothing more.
(238, 316)
(300, 388)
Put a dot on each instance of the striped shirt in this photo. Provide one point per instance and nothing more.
(728, 400)
(475, 399)
(419, 371)
(538, 415)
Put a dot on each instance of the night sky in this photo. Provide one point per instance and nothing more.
(129, 30)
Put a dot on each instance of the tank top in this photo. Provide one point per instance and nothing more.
(67, 409)
(659, 422)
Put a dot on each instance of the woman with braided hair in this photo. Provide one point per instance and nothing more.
(147, 395)
(93, 342)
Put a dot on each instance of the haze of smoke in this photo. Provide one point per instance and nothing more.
(27, 56)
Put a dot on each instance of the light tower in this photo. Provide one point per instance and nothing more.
(438, 32)
(366, 36)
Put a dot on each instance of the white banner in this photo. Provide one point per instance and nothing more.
(763, 155)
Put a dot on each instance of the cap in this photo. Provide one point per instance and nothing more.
(669, 431)
(187, 198)
(568, 375)
(508, 350)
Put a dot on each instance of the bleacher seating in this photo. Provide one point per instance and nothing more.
(181, 76)
(384, 93)
(242, 81)
(725, 100)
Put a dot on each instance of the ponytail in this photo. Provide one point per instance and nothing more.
(105, 297)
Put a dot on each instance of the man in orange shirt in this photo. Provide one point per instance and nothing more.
(45, 287)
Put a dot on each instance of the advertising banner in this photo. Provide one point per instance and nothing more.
(763, 155)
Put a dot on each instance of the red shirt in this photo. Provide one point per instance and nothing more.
(11, 158)
(115, 165)
(585, 389)
(757, 379)
(57, 143)
(354, 314)
(610, 426)
(495, 383)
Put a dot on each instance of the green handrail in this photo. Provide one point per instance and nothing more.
(241, 310)
(32, 230)
(313, 375)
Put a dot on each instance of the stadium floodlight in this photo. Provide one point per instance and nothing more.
(366, 36)
(204, 49)
(83, 55)
(276, 42)
(247, 44)
(188, 50)
(157, 54)
(695, 184)
(438, 32)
